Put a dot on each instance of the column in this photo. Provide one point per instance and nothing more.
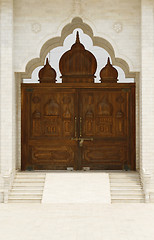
(147, 88)
(7, 118)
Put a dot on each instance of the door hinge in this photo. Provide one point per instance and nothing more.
(70, 168)
(86, 168)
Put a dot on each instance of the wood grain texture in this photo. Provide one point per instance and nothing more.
(49, 126)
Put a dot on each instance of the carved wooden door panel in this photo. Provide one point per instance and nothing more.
(107, 126)
(48, 124)
(78, 127)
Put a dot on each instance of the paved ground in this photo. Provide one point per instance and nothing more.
(76, 221)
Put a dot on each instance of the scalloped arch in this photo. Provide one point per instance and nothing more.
(77, 22)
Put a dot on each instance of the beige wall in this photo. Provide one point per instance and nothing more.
(7, 93)
(147, 91)
(37, 21)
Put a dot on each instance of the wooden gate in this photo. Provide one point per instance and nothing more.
(78, 123)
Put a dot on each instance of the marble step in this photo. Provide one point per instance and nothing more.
(31, 173)
(124, 173)
(28, 184)
(126, 188)
(32, 200)
(128, 191)
(25, 196)
(128, 201)
(127, 196)
(118, 180)
(20, 186)
(27, 190)
(27, 180)
(121, 184)
(132, 187)
(125, 177)
(30, 177)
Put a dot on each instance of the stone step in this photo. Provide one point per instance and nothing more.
(127, 196)
(123, 176)
(30, 173)
(127, 201)
(25, 196)
(125, 180)
(114, 184)
(126, 188)
(28, 180)
(30, 177)
(24, 184)
(128, 191)
(24, 201)
(18, 187)
(118, 180)
(27, 190)
(138, 187)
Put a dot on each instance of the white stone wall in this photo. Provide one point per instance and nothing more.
(7, 96)
(147, 94)
(36, 21)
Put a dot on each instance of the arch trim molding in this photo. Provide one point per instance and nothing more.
(52, 43)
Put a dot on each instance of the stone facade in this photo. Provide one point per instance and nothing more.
(30, 29)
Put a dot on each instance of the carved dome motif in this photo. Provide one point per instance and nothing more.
(109, 74)
(47, 74)
(52, 108)
(105, 107)
(78, 64)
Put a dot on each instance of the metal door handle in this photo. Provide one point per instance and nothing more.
(80, 126)
(81, 140)
(75, 126)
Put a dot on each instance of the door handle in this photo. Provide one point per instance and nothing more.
(75, 130)
(81, 140)
(75, 127)
(80, 126)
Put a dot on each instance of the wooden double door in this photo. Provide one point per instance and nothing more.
(81, 127)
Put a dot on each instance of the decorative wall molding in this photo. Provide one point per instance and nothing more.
(36, 27)
(118, 27)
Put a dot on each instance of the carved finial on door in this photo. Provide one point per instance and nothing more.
(77, 37)
(47, 61)
(109, 74)
(77, 64)
(47, 74)
(108, 61)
